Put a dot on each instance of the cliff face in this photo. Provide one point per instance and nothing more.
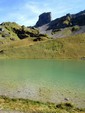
(64, 26)
(79, 18)
(68, 21)
(44, 18)
(62, 22)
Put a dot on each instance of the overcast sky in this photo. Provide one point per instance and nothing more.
(26, 12)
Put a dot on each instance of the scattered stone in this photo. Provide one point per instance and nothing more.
(18, 91)
(1, 29)
(66, 105)
(13, 39)
(37, 39)
(6, 35)
(82, 58)
(1, 51)
(66, 99)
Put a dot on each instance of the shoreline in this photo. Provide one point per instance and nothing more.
(30, 106)
(21, 58)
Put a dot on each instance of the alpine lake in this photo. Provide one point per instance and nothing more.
(44, 80)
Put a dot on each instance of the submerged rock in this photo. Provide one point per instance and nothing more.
(66, 99)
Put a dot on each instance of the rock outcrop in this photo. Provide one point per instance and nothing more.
(62, 22)
(79, 19)
(69, 24)
(44, 18)
(68, 21)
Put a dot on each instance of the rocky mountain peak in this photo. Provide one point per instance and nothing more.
(44, 18)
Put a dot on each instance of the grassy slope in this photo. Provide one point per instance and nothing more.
(62, 33)
(29, 106)
(65, 48)
(8, 29)
(13, 31)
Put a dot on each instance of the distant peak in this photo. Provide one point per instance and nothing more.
(44, 18)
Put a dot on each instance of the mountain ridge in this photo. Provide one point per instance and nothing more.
(67, 16)
(68, 21)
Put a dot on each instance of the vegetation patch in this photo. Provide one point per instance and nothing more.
(75, 28)
(29, 106)
(72, 47)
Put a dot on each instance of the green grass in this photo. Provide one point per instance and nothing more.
(72, 47)
(14, 32)
(63, 32)
(8, 29)
(30, 106)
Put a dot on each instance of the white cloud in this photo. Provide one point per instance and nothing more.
(28, 13)
(36, 8)
(33, 8)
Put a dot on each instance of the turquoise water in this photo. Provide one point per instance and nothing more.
(45, 80)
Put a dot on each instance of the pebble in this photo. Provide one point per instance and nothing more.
(66, 99)
(18, 91)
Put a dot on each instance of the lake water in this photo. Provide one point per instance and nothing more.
(45, 80)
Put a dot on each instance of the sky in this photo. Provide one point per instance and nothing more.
(26, 12)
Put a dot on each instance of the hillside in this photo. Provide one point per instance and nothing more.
(60, 38)
(65, 48)
(11, 31)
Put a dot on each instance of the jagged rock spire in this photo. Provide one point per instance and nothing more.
(43, 19)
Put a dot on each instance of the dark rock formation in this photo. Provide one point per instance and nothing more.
(74, 24)
(80, 13)
(62, 22)
(44, 18)
(68, 21)
(78, 20)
